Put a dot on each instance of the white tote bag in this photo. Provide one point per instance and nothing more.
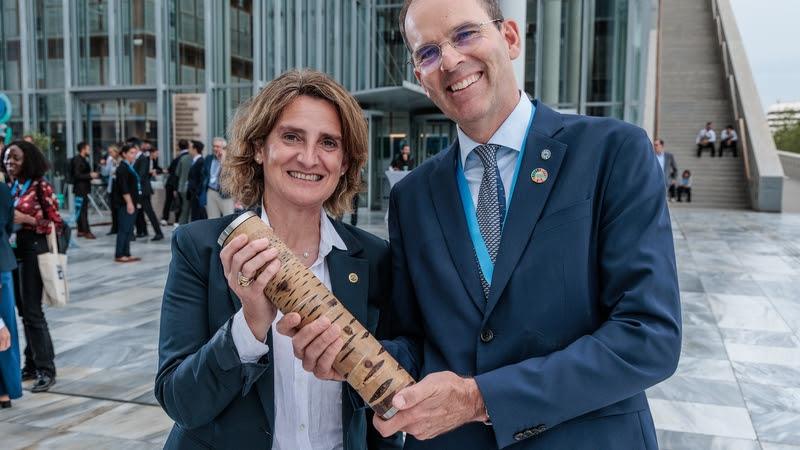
(53, 268)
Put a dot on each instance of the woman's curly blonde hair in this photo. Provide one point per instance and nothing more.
(243, 178)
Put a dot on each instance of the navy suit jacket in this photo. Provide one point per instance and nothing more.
(8, 261)
(214, 399)
(583, 313)
(207, 175)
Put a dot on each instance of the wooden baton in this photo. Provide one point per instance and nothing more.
(363, 361)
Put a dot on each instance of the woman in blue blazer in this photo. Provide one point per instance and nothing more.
(225, 375)
(10, 375)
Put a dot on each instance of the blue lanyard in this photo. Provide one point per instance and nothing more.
(135, 174)
(484, 260)
(15, 187)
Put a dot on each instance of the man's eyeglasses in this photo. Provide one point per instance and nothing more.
(428, 57)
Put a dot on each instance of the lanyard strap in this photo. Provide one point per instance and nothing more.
(15, 188)
(482, 252)
(135, 174)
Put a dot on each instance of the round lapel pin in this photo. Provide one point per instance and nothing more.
(353, 278)
(539, 176)
(546, 154)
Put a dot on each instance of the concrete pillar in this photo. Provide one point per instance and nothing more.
(516, 10)
(551, 50)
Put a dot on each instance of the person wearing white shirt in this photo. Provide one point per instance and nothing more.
(227, 374)
(729, 140)
(706, 139)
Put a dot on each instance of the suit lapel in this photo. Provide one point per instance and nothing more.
(528, 198)
(450, 212)
(353, 292)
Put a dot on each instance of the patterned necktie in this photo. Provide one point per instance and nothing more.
(488, 210)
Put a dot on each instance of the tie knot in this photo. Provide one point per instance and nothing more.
(487, 154)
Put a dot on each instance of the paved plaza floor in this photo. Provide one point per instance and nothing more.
(737, 386)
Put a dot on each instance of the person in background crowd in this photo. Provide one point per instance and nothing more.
(194, 188)
(404, 161)
(685, 186)
(182, 172)
(706, 139)
(10, 379)
(171, 185)
(82, 176)
(36, 212)
(668, 166)
(108, 172)
(729, 140)
(127, 192)
(146, 166)
(218, 202)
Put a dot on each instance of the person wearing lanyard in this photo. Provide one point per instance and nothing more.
(534, 275)
(10, 382)
(35, 212)
(127, 191)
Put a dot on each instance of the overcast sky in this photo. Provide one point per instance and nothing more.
(771, 35)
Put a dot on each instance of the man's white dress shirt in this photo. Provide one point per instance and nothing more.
(509, 136)
(711, 135)
(308, 411)
(729, 135)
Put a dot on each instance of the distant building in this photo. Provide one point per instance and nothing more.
(783, 114)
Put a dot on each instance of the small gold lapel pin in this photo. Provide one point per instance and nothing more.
(353, 277)
(539, 176)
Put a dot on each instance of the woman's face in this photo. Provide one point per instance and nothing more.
(13, 161)
(303, 158)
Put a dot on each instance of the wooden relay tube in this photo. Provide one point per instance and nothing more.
(366, 365)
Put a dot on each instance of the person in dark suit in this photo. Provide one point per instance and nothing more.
(404, 161)
(171, 185)
(146, 166)
(218, 203)
(225, 375)
(194, 191)
(534, 272)
(10, 376)
(82, 176)
(666, 161)
(127, 192)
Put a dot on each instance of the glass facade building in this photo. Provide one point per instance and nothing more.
(103, 70)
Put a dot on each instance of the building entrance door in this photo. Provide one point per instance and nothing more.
(111, 121)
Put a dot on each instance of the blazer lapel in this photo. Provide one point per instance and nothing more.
(528, 198)
(450, 212)
(353, 292)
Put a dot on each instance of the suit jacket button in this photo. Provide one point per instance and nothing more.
(519, 436)
(487, 335)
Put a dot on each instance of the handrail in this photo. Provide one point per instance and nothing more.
(763, 170)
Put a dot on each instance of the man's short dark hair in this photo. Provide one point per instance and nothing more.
(660, 141)
(183, 144)
(708, 124)
(81, 145)
(492, 8)
(135, 141)
(730, 127)
(126, 147)
(199, 146)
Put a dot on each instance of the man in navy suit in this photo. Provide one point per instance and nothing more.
(536, 294)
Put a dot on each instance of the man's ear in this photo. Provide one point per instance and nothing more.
(510, 32)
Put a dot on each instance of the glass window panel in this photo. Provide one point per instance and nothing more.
(530, 47)
(137, 43)
(186, 47)
(91, 35)
(49, 48)
(607, 55)
(10, 75)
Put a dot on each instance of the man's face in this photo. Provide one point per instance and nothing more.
(708, 127)
(658, 147)
(406, 150)
(470, 85)
(218, 148)
(85, 151)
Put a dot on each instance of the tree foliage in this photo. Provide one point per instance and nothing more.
(787, 138)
